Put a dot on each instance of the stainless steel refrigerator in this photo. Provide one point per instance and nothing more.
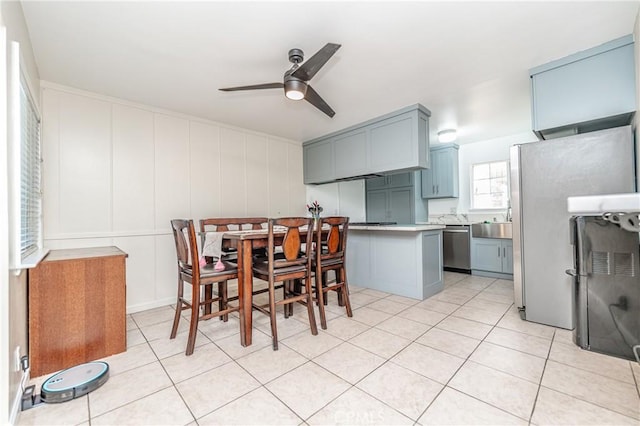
(543, 175)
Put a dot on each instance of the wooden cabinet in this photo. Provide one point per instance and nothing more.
(395, 198)
(441, 179)
(590, 90)
(395, 142)
(492, 257)
(77, 308)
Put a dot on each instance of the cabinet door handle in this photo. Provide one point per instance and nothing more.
(498, 251)
(437, 189)
(504, 252)
(433, 189)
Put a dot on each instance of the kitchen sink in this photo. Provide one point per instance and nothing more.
(492, 230)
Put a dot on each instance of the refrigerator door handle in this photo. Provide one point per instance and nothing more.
(571, 272)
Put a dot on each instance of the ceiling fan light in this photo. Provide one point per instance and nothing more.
(448, 135)
(295, 89)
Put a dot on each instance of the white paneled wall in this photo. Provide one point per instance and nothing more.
(116, 173)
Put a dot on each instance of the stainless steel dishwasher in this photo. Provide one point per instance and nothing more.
(456, 247)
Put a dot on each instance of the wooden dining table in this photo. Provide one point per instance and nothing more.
(245, 241)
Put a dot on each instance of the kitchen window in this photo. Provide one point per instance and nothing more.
(490, 185)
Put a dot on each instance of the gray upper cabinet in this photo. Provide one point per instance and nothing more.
(393, 143)
(441, 180)
(586, 91)
(395, 198)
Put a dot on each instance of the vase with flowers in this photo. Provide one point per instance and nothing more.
(315, 209)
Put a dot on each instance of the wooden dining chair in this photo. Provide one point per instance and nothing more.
(189, 271)
(292, 265)
(331, 257)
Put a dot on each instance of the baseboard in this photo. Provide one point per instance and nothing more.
(132, 309)
(17, 402)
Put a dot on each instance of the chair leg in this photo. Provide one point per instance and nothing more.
(324, 282)
(176, 318)
(195, 316)
(208, 295)
(272, 314)
(222, 299)
(320, 297)
(344, 291)
(312, 317)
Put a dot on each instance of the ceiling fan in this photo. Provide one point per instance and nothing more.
(296, 79)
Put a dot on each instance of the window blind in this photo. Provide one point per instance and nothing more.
(30, 191)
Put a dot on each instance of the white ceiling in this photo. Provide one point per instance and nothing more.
(467, 62)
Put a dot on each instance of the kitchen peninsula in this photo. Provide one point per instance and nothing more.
(400, 259)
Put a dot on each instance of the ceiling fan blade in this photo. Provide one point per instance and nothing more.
(314, 99)
(254, 87)
(312, 65)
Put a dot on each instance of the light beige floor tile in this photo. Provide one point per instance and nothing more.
(134, 357)
(488, 305)
(423, 316)
(135, 337)
(258, 407)
(353, 288)
(380, 342)
(479, 315)
(512, 321)
(429, 362)
(154, 316)
(519, 364)
(532, 345)
(563, 336)
(215, 388)
(438, 306)
(267, 364)
(453, 277)
(166, 347)
(599, 390)
(69, 413)
(232, 347)
(131, 324)
(162, 330)
(361, 299)
(127, 387)
(345, 328)
(453, 297)
(355, 407)
(403, 327)
(487, 281)
(215, 329)
(451, 343)
(604, 365)
(402, 389)
(493, 297)
(307, 389)
(370, 316)
(636, 372)
(311, 346)
(472, 285)
(288, 327)
(555, 408)
(501, 287)
(375, 293)
(206, 357)
(165, 407)
(465, 327)
(496, 388)
(349, 362)
(388, 306)
(455, 408)
(404, 300)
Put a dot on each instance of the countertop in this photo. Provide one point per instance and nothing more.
(406, 228)
(449, 223)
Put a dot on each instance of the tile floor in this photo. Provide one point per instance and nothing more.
(463, 356)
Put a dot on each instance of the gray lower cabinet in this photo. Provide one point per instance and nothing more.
(441, 179)
(589, 90)
(491, 256)
(395, 198)
(405, 263)
(392, 143)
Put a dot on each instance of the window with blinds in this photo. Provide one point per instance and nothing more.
(30, 191)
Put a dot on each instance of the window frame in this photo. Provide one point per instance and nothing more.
(472, 206)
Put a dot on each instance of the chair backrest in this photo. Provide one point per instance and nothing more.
(222, 224)
(291, 243)
(184, 235)
(333, 243)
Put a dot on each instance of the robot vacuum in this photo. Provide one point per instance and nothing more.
(68, 384)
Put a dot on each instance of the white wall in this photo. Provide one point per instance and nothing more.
(636, 37)
(340, 199)
(116, 173)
